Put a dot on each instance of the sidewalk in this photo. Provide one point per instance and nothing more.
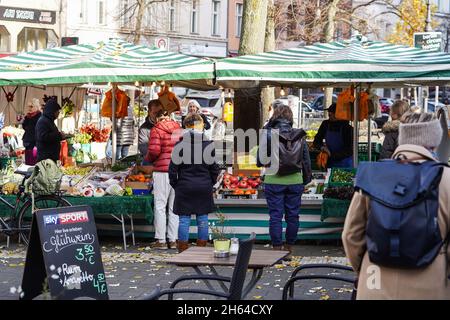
(136, 272)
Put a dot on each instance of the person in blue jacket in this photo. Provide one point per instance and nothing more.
(338, 137)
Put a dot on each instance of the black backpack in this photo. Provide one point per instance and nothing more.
(291, 151)
(402, 229)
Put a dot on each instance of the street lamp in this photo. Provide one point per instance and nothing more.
(428, 20)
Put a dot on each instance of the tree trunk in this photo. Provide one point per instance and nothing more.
(329, 37)
(140, 16)
(247, 110)
(268, 94)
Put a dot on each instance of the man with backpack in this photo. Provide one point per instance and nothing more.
(396, 229)
(288, 170)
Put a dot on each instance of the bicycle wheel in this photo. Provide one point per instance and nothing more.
(26, 214)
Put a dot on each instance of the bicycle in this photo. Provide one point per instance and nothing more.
(20, 219)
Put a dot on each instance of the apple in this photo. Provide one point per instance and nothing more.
(234, 180)
(226, 176)
(233, 186)
(226, 181)
(243, 185)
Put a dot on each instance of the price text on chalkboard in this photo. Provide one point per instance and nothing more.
(64, 254)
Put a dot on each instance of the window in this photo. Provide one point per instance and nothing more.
(30, 39)
(215, 17)
(148, 18)
(239, 9)
(5, 39)
(101, 12)
(125, 13)
(194, 17)
(171, 15)
(83, 12)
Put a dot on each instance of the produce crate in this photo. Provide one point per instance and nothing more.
(229, 194)
(339, 184)
(334, 208)
(363, 147)
(365, 157)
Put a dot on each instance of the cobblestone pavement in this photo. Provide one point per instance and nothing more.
(134, 273)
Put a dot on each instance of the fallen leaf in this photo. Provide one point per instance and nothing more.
(258, 287)
(257, 297)
(326, 297)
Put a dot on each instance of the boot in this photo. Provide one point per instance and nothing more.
(288, 247)
(279, 248)
(202, 243)
(182, 245)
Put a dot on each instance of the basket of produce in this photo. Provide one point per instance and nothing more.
(342, 177)
(336, 201)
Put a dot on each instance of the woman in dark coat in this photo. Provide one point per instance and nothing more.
(48, 137)
(391, 129)
(193, 178)
(29, 137)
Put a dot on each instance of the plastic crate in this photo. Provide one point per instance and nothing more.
(365, 157)
(362, 147)
(340, 184)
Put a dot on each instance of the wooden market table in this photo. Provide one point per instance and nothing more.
(197, 257)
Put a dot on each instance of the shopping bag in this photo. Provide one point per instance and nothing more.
(344, 105)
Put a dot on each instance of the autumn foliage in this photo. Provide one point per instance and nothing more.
(413, 14)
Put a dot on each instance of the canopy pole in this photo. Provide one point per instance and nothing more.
(355, 126)
(436, 96)
(300, 110)
(114, 124)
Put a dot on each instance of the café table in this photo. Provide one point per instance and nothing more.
(196, 257)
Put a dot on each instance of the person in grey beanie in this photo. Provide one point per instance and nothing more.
(420, 129)
(419, 136)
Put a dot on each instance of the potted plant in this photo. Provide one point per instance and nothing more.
(220, 238)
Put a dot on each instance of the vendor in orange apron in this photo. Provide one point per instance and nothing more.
(335, 137)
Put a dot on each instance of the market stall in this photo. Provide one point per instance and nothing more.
(358, 62)
(120, 189)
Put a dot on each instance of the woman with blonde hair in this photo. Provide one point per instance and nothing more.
(391, 128)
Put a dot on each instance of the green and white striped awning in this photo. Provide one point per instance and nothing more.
(336, 64)
(114, 61)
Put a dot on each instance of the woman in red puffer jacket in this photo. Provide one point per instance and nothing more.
(163, 137)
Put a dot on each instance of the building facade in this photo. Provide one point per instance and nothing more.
(195, 27)
(235, 13)
(30, 25)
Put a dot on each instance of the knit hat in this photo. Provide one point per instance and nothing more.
(425, 134)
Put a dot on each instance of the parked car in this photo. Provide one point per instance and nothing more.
(432, 107)
(317, 104)
(385, 104)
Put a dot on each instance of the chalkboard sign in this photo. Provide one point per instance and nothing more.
(63, 256)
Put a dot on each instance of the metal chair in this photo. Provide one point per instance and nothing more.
(289, 286)
(236, 280)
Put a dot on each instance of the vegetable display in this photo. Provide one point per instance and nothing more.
(342, 176)
(341, 193)
(96, 134)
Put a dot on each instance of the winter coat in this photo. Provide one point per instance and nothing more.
(163, 137)
(48, 137)
(193, 183)
(265, 143)
(205, 121)
(144, 136)
(430, 282)
(390, 143)
(125, 131)
(29, 125)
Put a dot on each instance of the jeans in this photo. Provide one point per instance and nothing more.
(202, 227)
(121, 150)
(283, 199)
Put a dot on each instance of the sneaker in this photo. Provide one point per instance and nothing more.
(172, 245)
(159, 245)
